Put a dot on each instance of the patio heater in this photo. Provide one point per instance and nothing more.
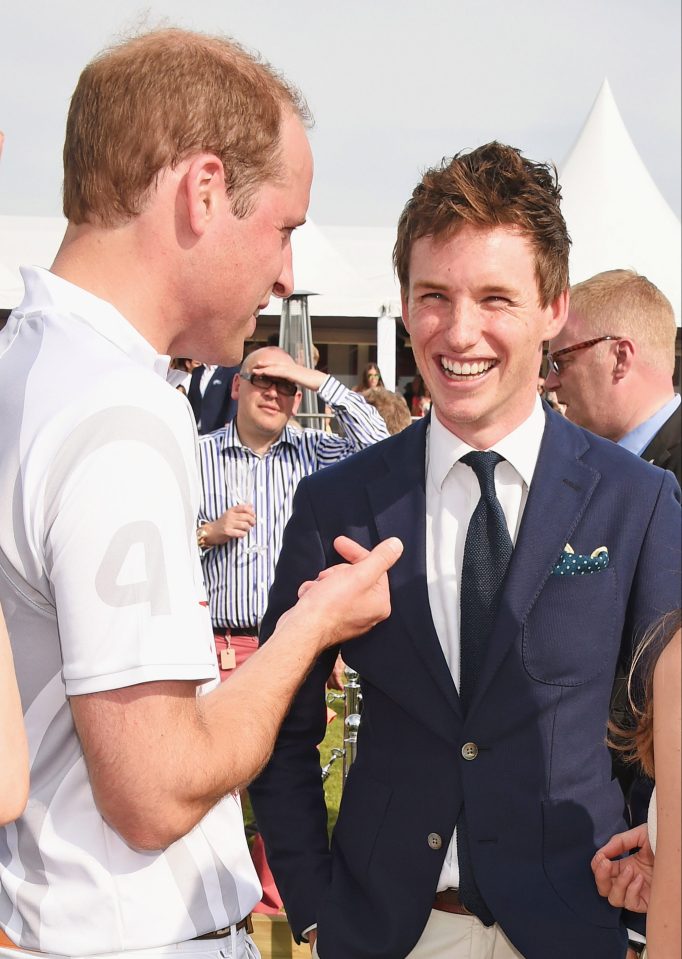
(296, 338)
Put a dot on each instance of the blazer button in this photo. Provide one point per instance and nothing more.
(434, 840)
(470, 750)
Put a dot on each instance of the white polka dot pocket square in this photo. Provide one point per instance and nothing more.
(574, 564)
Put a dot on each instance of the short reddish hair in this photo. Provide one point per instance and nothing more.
(152, 101)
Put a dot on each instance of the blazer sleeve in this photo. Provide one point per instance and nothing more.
(288, 796)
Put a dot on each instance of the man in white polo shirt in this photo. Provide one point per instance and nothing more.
(187, 168)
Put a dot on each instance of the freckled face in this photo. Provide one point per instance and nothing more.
(250, 259)
(476, 324)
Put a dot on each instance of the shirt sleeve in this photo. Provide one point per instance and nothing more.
(362, 424)
(121, 556)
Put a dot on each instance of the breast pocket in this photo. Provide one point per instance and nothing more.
(569, 634)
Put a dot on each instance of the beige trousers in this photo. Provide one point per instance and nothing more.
(447, 936)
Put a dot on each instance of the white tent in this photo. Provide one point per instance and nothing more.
(342, 290)
(616, 216)
(369, 249)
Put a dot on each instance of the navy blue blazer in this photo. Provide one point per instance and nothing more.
(216, 407)
(539, 795)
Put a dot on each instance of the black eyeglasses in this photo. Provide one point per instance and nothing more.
(261, 382)
(552, 358)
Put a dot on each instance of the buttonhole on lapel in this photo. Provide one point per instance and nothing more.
(574, 486)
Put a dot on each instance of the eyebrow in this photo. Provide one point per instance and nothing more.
(489, 288)
(430, 285)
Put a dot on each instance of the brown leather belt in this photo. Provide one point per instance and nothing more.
(448, 901)
(221, 933)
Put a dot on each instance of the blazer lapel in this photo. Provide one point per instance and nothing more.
(398, 503)
(560, 491)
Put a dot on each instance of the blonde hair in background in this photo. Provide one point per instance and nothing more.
(624, 303)
(148, 103)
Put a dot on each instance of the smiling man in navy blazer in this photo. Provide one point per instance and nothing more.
(468, 822)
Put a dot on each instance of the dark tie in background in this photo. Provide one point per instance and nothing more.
(487, 551)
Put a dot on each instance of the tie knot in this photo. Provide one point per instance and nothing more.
(483, 464)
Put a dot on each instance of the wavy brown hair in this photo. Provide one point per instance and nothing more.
(635, 741)
(491, 186)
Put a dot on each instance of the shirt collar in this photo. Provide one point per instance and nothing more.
(45, 290)
(520, 448)
(229, 437)
(638, 439)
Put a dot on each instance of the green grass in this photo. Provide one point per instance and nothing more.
(332, 787)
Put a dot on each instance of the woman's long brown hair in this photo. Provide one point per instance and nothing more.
(636, 741)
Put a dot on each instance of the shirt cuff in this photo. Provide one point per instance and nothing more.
(332, 390)
(304, 934)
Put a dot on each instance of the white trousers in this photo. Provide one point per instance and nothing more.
(447, 936)
(237, 946)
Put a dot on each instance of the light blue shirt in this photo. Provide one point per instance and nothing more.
(638, 439)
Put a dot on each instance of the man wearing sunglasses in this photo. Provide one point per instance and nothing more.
(241, 540)
(613, 362)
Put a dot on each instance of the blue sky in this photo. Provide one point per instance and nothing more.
(394, 86)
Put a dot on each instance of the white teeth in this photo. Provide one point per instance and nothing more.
(466, 369)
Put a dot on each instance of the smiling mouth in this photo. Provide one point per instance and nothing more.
(454, 370)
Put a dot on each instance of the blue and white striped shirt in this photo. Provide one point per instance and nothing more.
(238, 582)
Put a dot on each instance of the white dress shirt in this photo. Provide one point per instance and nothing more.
(206, 377)
(452, 493)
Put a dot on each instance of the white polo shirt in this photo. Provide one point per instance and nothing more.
(101, 586)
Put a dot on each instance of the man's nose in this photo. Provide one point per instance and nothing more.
(464, 328)
(552, 381)
(285, 282)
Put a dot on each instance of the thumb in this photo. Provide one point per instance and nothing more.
(376, 562)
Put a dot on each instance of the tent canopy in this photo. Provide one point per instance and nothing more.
(616, 216)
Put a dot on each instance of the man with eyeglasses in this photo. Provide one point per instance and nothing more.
(241, 524)
(613, 362)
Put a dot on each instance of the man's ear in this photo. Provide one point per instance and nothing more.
(625, 356)
(557, 315)
(204, 191)
(297, 402)
(404, 309)
(234, 392)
